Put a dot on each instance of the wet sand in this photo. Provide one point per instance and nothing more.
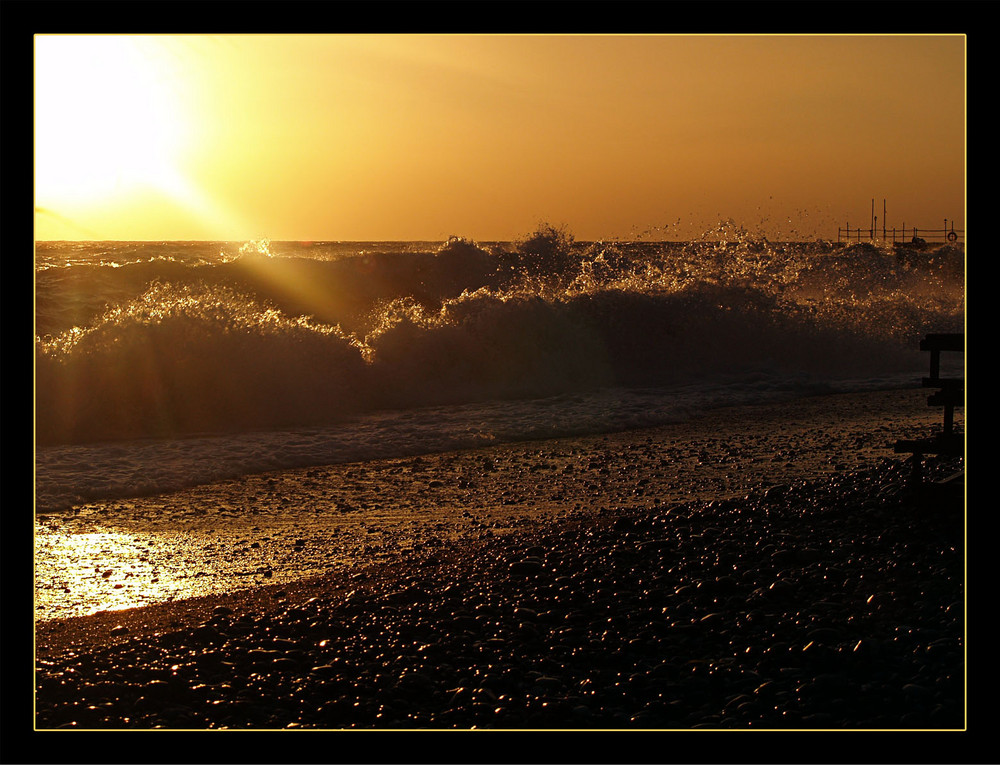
(772, 570)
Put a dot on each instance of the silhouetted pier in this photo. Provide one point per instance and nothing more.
(902, 235)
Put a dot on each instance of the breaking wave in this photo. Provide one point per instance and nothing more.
(155, 340)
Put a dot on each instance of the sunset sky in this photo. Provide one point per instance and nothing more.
(384, 137)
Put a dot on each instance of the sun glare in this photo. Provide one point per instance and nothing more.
(108, 120)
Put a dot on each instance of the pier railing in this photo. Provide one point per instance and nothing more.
(900, 235)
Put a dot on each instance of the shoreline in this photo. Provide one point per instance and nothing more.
(711, 575)
(710, 614)
(272, 529)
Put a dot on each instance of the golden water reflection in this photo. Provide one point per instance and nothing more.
(80, 573)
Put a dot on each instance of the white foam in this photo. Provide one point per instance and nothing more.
(74, 474)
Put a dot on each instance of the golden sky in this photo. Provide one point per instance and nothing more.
(383, 137)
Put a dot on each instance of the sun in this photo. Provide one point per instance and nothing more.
(109, 120)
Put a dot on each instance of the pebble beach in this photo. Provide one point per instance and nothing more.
(763, 568)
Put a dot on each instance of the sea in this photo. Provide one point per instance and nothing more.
(165, 365)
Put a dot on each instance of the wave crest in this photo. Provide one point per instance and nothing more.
(282, 335)
(189, 359)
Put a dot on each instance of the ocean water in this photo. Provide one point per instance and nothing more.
(163, 365)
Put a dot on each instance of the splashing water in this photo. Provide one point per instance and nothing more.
(139, 340)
